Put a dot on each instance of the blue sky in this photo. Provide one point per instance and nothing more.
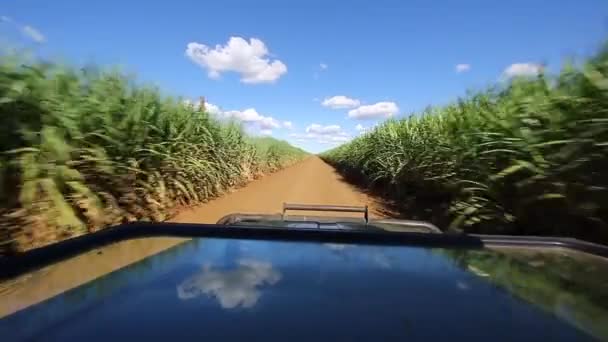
(269, 62)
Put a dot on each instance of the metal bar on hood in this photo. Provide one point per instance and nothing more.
(333, 208)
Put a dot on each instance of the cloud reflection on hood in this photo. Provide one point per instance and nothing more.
(376, 258)
(232, 288)
(336, 246)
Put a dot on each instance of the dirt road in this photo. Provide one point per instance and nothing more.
(310, 181)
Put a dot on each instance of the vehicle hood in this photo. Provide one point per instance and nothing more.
(232, 289)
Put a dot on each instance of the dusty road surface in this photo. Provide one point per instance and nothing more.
(310, 181)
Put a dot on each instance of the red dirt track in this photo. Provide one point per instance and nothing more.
(310, 181)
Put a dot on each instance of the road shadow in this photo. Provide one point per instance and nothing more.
(409, 206)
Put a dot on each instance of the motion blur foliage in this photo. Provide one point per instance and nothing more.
(82, 149)
(527, 157)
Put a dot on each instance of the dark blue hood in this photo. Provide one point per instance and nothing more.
(223, 289)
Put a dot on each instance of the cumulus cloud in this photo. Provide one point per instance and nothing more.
(376, 110)
(523, 69)
(323, 130)
(33, 34)
(322, 139)
(460, 68)
(363, 129)
(231, 288)
(330, 134)
(248, 58)
(209, 107)
(263, 124)
(340, 101)
(212, 109)
(251, 116)
(335, 139)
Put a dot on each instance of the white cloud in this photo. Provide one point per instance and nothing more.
(249, 59)
(330, 134)
(377, 110)
(362, 129)
(340, 101)
(323, 66)
(322, 139)
(323, 130)
(33, 34)
(523, 69)
(460, 68)
(328, 140)
(334, 139)
(212, 109)
(209, 107)
(232, 288)
(251, 116)
(268, 122)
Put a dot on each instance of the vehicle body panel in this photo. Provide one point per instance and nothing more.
(235, 289)
(237, 282)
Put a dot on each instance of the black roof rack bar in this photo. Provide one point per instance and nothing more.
(334, 208)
